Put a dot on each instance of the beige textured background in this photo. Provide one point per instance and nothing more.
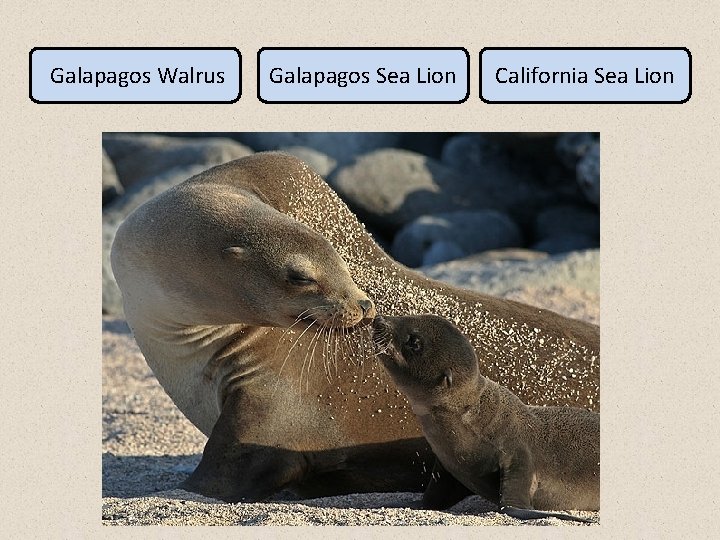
(660, 225)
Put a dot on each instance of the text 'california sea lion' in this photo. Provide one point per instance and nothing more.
(523, 458)
(243, 287)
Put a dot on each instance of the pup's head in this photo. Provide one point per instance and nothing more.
(427, 356)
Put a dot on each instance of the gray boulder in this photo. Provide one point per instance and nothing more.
(111, 297)
(389, 188)
(319, 162)
(141, 156)
(111, 186)
(343, 147)
(588, 174)
(571, 147)
(430, 238)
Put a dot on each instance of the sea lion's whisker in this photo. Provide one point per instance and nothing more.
(312, 355)
(336, 336)
(346, 350)
(294, 344)
(302, 368)
(298, 320)
(313, 343)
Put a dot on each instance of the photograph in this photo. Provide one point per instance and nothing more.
(351, 328)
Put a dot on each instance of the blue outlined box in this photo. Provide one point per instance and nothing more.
(135, 75)
(363, 75)
(585, 75)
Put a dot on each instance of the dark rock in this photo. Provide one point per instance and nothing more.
(343, 147)
(111, 186)
(566, 242)
(442, 251)
(470, 232)
(389, 188)
(491, 172)
(319, 162)
(427, 144)
(141, 156)
(472, 152)
(566, 219)
(588, 174)
(535, 147)
(570, 147)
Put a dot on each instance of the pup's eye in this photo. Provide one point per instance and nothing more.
(413, 343)
(301, 280)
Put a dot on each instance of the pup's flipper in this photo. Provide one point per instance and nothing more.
(526, 513)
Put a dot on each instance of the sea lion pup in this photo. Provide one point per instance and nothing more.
(526, 459)
(216, 271)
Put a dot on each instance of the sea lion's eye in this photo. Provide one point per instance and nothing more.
(413, 343)
(301, 280)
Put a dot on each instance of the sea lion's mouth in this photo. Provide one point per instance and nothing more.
(382, 334)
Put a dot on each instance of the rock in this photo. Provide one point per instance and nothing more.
(319, 162)
(566, 242)
(141, 156)
(588, 174)
(389, 188)
(343, 147)
(112, 303)
(111, 186)
(577, 270)
(536, 147)
(471, 232)
(442, 251)
(507, 254)
(571, 147)
(567, 219)
(473, 152)
(494, 176)
(428, 144)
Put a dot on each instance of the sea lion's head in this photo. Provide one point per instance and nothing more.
(427, 356)
(207, 254)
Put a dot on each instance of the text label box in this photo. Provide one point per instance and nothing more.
(135, 75)
(363, 75)
(585, 75)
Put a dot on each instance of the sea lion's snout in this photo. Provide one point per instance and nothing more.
(368, 308)
(382, 333)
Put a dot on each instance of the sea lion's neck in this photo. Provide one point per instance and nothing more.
(191, 360)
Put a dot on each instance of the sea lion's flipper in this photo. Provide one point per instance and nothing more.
(234, 471)
(443, 490)
(527, 513)
(515, 490)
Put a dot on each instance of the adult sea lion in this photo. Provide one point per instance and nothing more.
(523, 458)
(206, 270)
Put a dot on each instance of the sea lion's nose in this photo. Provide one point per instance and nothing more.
(366, 306)
(379, 322)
